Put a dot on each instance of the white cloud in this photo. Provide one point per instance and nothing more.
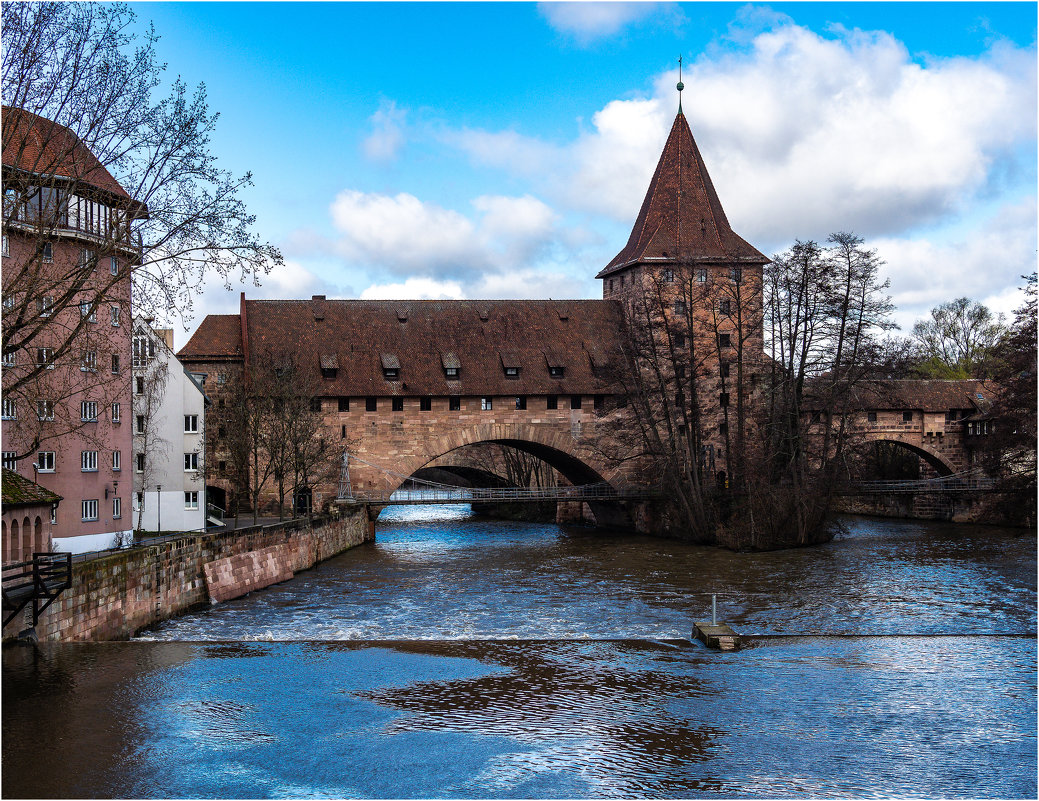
(804, 134)
(405, 235)
(415, 289)
(984, 263)
(387, 136)
(594, 20)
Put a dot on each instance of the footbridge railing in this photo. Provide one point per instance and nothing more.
(970, 481)
(445, 494)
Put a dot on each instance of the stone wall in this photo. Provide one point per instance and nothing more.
(115, 596)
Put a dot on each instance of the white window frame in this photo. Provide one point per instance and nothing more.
(7, 246)
(11, 359)
(10, 409)
(191, 462)
(138, 465)
(117, 508)
(114, 265)
(89, 361)
(191, 499)
(45, 410)
(88, 310)
(140, 423)
(48, 252)
(9, 460)
(487, 403)
(88, 411)
(88, 510)
(45, 357)
(116, 315)
(45, 305)
(116, 409)
(138, 501)
(45, 461)
(88, 461)
(117, 460)
(191, 424)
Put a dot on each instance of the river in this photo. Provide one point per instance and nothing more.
(461, 657)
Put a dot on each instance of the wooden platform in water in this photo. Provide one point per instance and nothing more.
(717, 636)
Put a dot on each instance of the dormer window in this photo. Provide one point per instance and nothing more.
(390, 367)
(510, 363)
(452, 367)
(329, 366)
(556, 372)
(512, 372)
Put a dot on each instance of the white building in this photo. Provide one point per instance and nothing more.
(168, 436)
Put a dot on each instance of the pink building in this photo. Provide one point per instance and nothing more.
(68, 252)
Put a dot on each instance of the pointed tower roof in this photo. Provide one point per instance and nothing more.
(681, 219)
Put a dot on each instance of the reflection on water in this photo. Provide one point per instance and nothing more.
(458, 657)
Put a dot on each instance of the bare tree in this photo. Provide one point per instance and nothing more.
(91, 151)
(957, 339)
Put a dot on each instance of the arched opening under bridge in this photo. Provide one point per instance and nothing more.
(890, 458)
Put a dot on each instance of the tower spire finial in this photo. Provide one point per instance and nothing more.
(681, 85)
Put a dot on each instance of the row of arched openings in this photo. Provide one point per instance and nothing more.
(20, 540)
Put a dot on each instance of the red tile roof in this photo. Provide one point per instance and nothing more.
(20, 491)
(364, 337)
(682, 218)
(37, 145)
(218, 337)
(929, 395)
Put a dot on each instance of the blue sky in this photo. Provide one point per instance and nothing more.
(502, 150)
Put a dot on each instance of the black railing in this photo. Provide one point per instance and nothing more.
(447, 495)
(39, 581)
(953, 483)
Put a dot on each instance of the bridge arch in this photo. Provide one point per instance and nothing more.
(932, 457)
(578, 464)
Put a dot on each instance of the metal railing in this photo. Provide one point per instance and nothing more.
(446, 495)
(38, 581)
(953, 483)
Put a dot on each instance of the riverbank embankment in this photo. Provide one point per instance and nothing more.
(116, 595)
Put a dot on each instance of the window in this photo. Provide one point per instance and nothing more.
(397, 404)
(344, 404)
(89, 361)
(342, 435)
(143, 350)
(680, 307)
(575, 401)
(486, 403)
(86, 259)
(669, 276)
(556, 372)
(7, 246)
(117, 508)
(45, 461)
(521, 402)
(10, 410)
(221, 432)
(451, 373)
(191, 500)
(454, 403)
(701, 275)
(512, 372)
(907, 417)
(371, 404)
(138, 501)
(611, 285)
(88, 411)
(89, 510)
(724, 341)
(138, 385)
(45, 357)
(391, 373)
(115, 412)
(88, 461)
(115, 363)
(139, 429)
(140, 462)
(191, 424)
(45, 410)
(723, 399)
(723, 370)
(221, 378)
(117, 460)
(86, 309)
(736, 274)
(45, 305)
(552, 402)
(113, 265)
(190, 462)
(723, 428)
(116, 313)
(679, 340)
(315, 404)
(622, 281)
(48, 252)
(9, 460)
(871, 417)
(222, 466)
(11, 359)
(425, 404)
(725, 307)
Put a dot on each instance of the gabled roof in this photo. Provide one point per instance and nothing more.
(928, 395)
(682, 219)
(472, 335)
(20, 491)
(37, 145)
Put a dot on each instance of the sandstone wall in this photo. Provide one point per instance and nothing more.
(115, 596)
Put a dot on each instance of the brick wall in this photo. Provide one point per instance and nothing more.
(115, 596)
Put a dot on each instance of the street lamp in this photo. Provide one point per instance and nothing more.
(158, 507)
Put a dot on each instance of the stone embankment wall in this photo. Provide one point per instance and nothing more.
(115, 596)
(915, 506)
